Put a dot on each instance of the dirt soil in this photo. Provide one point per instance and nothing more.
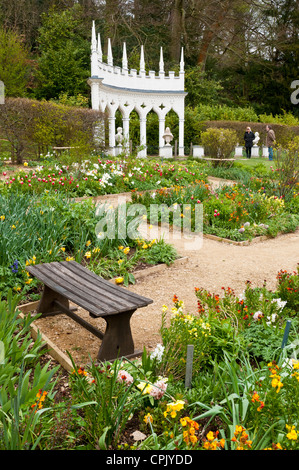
(212, 266)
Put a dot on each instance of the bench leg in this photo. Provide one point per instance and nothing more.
(118, 340)
(47, 302)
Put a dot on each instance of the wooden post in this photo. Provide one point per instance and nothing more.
(191, 149)
(189, 364)
(286, 334)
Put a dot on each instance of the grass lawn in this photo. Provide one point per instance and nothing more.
(252, 162)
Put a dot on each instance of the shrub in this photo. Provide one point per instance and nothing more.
(219, 143)
(288, 288)
(33, 126)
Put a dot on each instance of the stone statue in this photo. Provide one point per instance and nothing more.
(119, 136)
(256, 139)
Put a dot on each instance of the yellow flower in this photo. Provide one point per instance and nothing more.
(277, 383)
(87, 254)
(119, 280)
(173, 407)
(145, 388)
(29, 280)
(25, 164)
(210, 436)
(88, 243)
(120, 261)
(69, 258)
(148, 418)
(292, 434)
(62, 248)
(2, 217)
(96, 250)
(126, 250)
(13, 226)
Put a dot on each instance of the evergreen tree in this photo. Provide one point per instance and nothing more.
(64, 60)
(14, 64)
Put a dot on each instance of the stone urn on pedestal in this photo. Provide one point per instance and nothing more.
(166, 151)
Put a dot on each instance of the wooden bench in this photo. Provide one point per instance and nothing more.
(219, 161)
(69, 281)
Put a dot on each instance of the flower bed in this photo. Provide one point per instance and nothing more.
(50, 227)
(243, 394)
(233, 212)
(97, 177)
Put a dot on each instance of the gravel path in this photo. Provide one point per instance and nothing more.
(215, 265)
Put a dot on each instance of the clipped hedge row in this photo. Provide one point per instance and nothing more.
(283, 132)
(32, 127)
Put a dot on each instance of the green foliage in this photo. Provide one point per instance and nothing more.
(64, 55)
(112, 386)
(201, 89)
(209, 335)
(288, 288)
(14, 64)
(219, 143)
(32, 127)
(161, 252)
(21, 379)
(206, 112)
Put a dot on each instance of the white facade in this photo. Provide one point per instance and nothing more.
(118, 88)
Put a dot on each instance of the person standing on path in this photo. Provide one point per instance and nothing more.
(270, 139)
(248, 137)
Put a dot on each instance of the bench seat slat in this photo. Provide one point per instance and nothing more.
(111, 290)
(47, 280)
(86, 289)
(84, 292)
(110, 287)
(93, 293)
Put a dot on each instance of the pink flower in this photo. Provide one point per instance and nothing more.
(124, 376)
(158, 389)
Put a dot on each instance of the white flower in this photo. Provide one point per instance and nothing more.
(158, 352)
(280, 303)
(272, 319)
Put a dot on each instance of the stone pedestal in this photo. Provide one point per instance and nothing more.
(255, 151)
(198, 151)
(118, 149)
(265, 152)
(238, 151)
(166, 151)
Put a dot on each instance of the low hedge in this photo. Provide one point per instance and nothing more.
(32, 127)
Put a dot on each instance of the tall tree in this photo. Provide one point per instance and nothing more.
(64, 61)
(14, 64)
